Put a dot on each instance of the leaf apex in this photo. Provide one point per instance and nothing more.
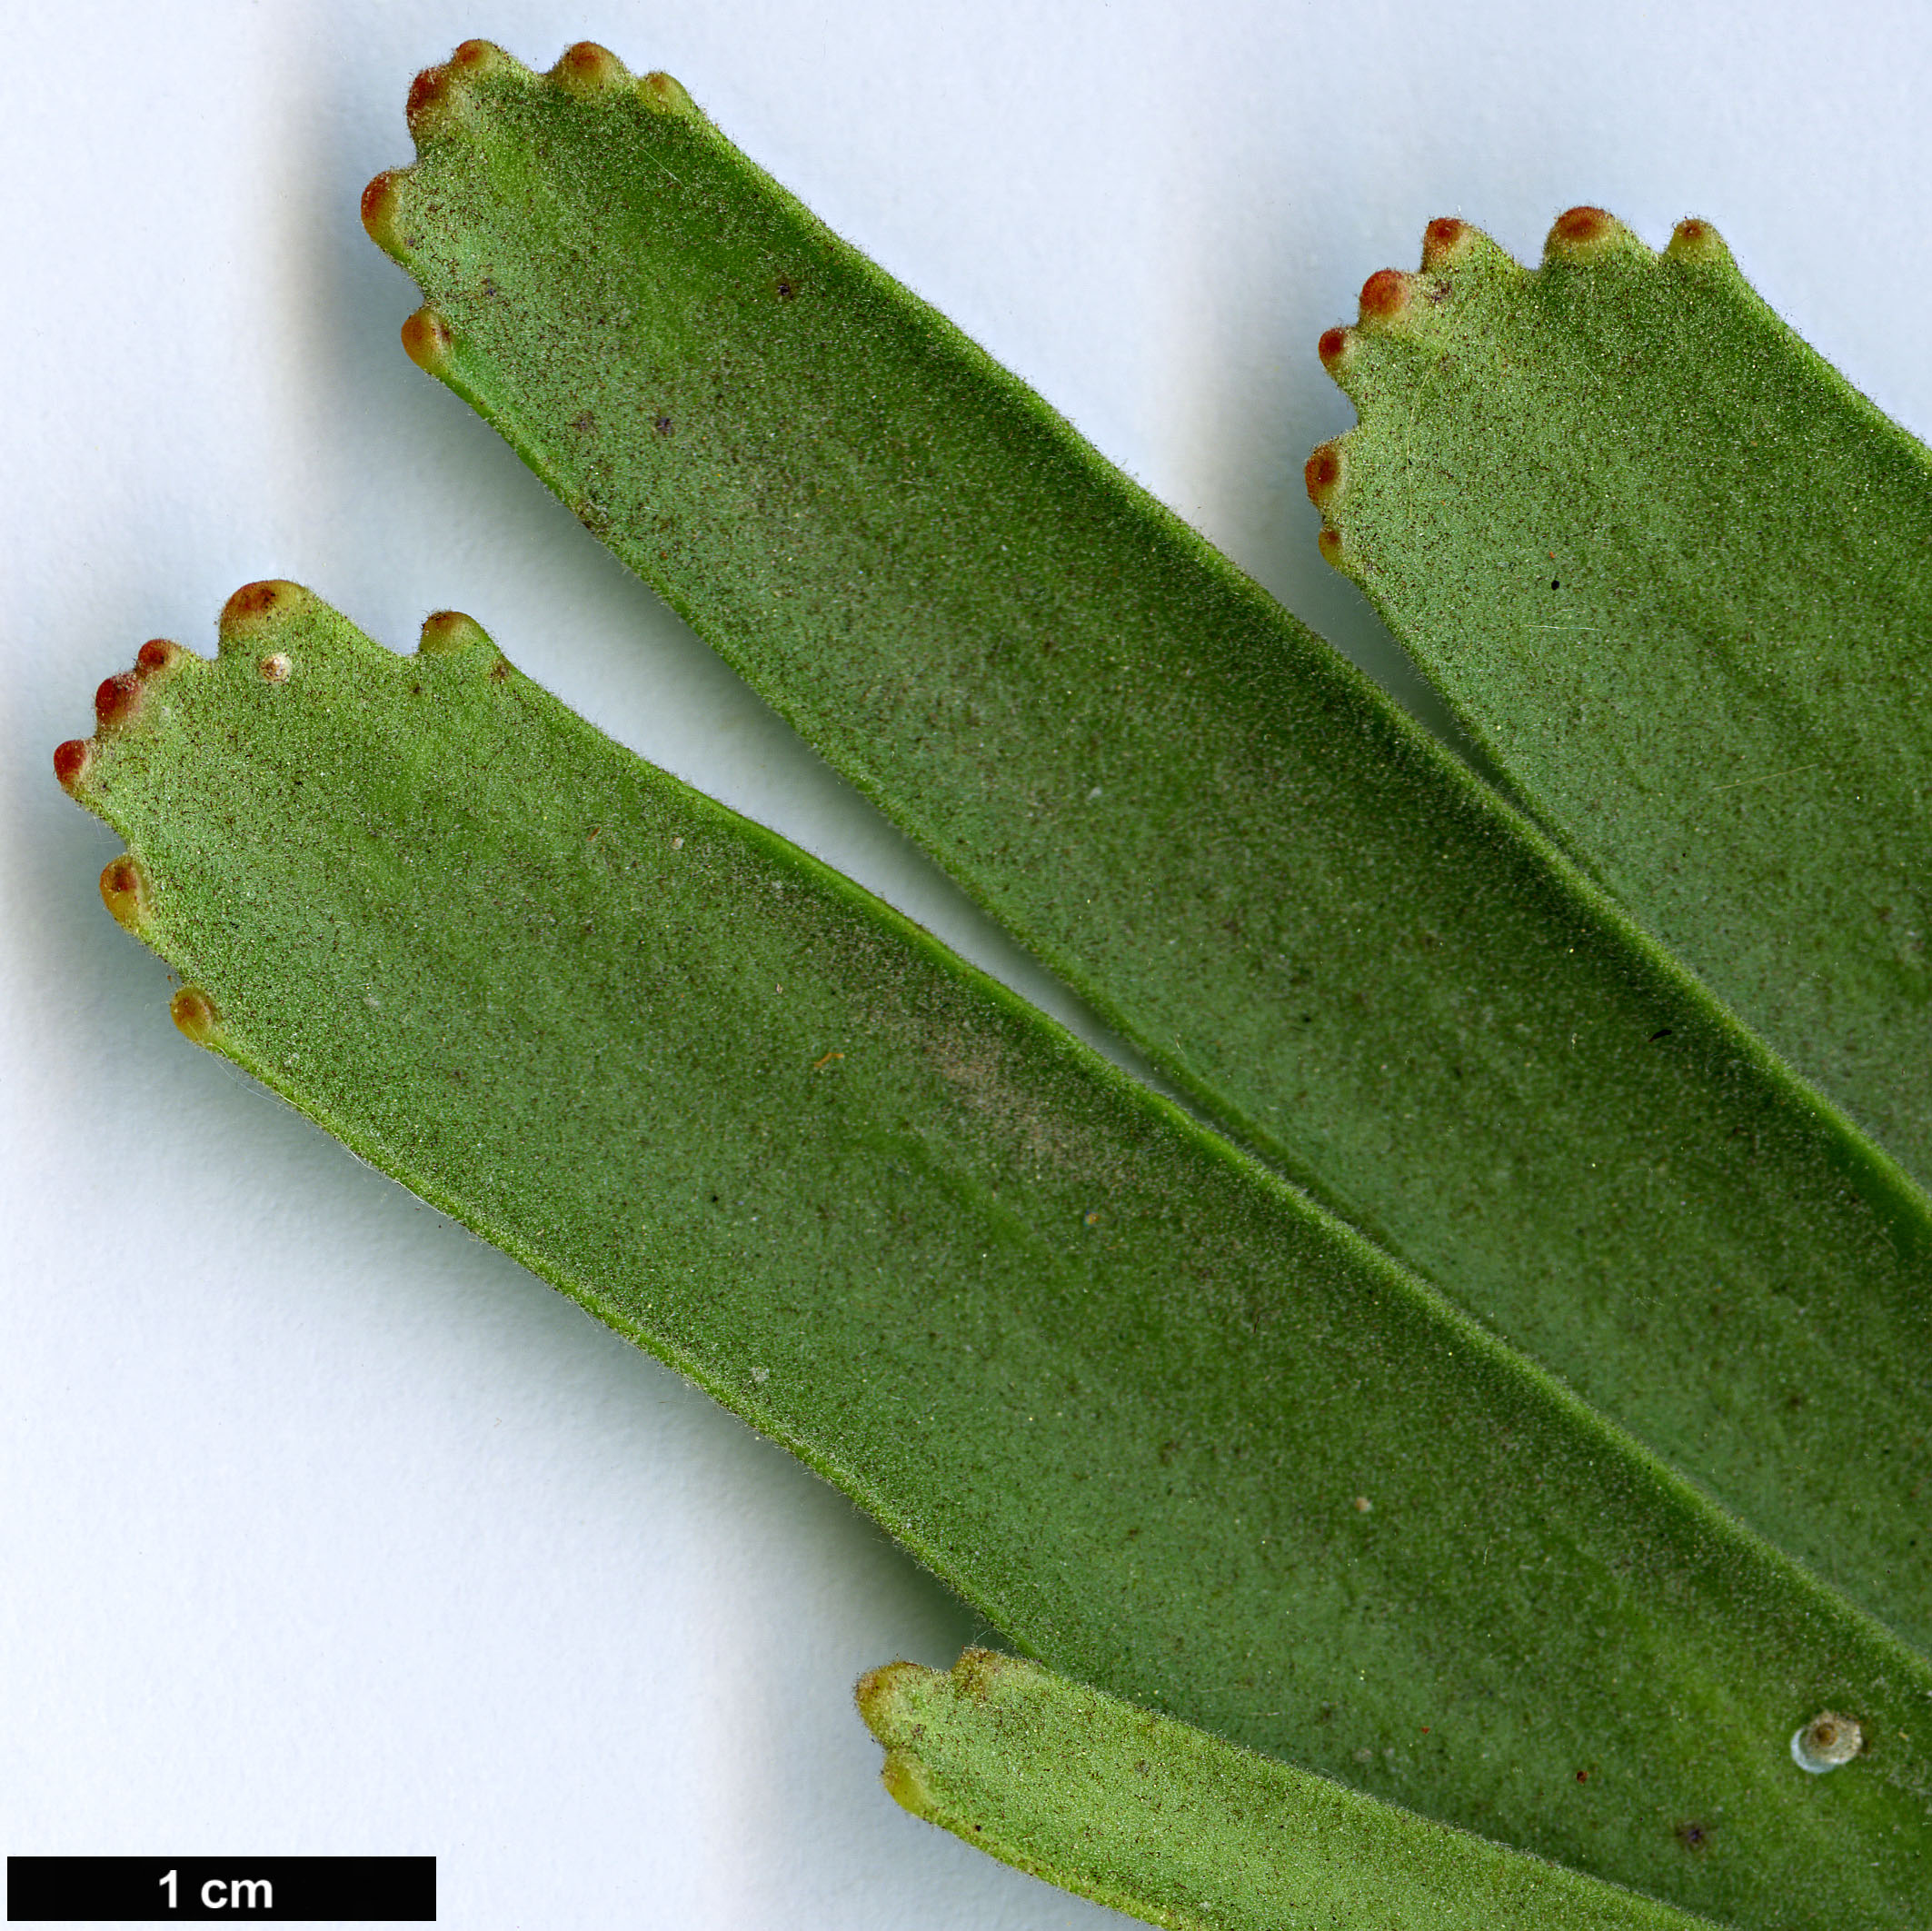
(441, 98)
(117, 702)
(880, 1696)
(1401, 307)
(892, 1699)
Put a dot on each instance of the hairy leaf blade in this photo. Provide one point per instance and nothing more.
(1676, 575)
(1178, 1827)
(1168, 1425)
(1298, 906)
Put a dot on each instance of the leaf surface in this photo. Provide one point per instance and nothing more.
(1314, 920)
(1676, 575)
(1169, 1425)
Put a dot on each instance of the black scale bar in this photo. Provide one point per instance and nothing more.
(279, 1890)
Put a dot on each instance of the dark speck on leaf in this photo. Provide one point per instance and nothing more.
(662, 425)
(787, 288)
(1662, 1032)
(1692, 1836)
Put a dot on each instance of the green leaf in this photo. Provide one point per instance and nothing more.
(1676, 575)
(1304, 912)
(1167, 1424)
(1170, 1824)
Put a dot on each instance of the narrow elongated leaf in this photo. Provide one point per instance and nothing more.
(1169, 1425)
(1163, 1820)
(1296, 903)
(1676, 575)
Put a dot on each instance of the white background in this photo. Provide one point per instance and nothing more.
(326, 1528)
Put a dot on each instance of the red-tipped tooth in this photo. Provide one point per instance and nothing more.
(118, 698)
(259, 608)
(428, 93)
(123, 892)
(480, 57)
(441, 98)
(1696, 241)
(257, 618)
(1385, 295)
(1323, 473)
(382, 205)
(194, 1011)
(71, 761)
(1579, 227)
(665, 96)
(1445, 241)
(588, 68)
(446, 632)
(427, 341)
